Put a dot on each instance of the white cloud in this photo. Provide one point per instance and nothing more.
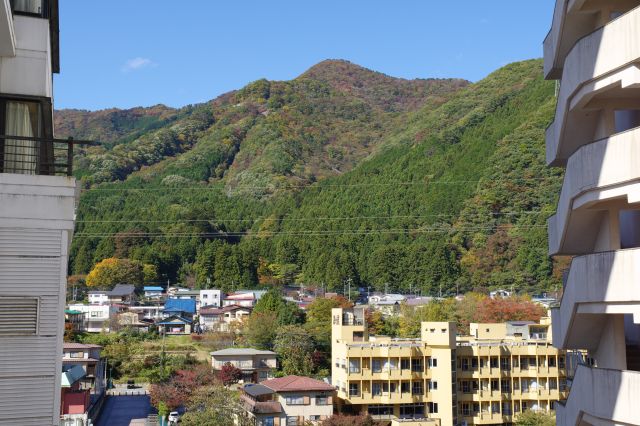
(137, 64)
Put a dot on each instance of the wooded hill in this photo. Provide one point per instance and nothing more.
(340, 173)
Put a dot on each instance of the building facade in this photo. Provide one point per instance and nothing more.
(440, 378)
(288, 401)
(37, 207)
(256, 365)
(593, 50)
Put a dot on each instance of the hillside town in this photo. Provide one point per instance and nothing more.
(331, 245)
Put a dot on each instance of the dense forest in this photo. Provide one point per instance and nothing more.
(434, 185)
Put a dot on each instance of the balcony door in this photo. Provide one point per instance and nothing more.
(24, 118)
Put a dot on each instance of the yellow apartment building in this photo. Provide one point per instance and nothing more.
(443, 379)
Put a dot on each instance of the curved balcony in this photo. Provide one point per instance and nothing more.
(593, 58)
(601, 397)
(598, 285)
(602, 171)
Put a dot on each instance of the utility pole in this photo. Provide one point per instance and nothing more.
(441, 290)
(349, 282)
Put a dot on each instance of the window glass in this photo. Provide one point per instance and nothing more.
(21, 119)
(35, 7)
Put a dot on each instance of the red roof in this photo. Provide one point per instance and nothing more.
(297, 384)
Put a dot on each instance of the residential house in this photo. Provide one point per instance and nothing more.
(177, 316)
(147, 313)
(122, 294)
(175, 324)
(132, 320)
(221, 319)
(153, 292)
(288, 401)
(499, 294)
(592, 52)
(38, 197)
(74, 399)
(74, 319)
(211, 297)
(246, 298)
(98, 297)
(256, 365)
(89, 358)
(498, 371)
(387, 304)
(96, 318)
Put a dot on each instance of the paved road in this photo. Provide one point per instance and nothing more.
(120, 410)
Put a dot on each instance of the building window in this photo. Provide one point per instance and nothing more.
(465, 387)
(416, 388)
(376, 366)
(29, 7)
(552, 361)
(292, 421)
(553, 383)
(295, 400)
(76, 354)
(405, 387)
(353, 389)
(380, 410)
(412, 411)
(505, 386)
(314, 418)
(433, 362)
(354, 366)
(494, 362)
(322, 400)
(494, 385)
(416, 365)
(505, 365)
(561, 362)
(433, 385)
(267, 421)
(404, 364)
(433, 407)
(376, 389)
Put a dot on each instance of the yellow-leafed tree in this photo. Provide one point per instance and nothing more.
(109, 272)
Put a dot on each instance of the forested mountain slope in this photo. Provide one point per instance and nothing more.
(341, 173)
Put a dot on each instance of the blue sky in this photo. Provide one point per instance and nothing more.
(126, 53)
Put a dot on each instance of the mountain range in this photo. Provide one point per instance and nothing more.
(431, 185)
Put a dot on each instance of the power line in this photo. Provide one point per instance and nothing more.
(320, 185)
(440, 229)
(311, 219)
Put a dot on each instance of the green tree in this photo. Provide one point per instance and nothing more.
(259, 330)
(535, 418)
(214, 405)
(286, 312)
(294, 345)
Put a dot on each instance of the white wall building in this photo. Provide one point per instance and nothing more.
(98, 298)
(37, 210)
(594, 49)
(210, 297)
(96, 317)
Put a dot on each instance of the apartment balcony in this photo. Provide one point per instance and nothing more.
(600, 67)
(598, 173)
(7, 32)
(601, 397)
(572, 20)
(366, 397)
(482, 418)
(598, 285)
(37, 156)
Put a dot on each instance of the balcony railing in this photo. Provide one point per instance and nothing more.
(37, 156)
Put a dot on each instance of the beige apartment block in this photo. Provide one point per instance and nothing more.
(593, 49)
(444, 379)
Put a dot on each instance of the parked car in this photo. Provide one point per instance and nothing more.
(131, 384)
(174, 417)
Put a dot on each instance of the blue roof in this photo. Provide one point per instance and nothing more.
(153, 288)
(180, 305)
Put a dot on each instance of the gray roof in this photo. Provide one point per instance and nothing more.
(241, 351)
(258, 390)
(122, 290)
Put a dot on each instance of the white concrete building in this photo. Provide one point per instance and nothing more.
(211, 297)
(98, 297)
(96, 318)
(594, 49)
(37, 208)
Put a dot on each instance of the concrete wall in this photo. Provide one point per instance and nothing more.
(36, 222)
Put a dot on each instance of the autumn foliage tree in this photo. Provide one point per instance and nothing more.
(109, 272)
(179, 388)
(229, 374)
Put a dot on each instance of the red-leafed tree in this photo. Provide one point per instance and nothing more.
(229, 374)
(508, 309)
(168, 394)
(179, 388)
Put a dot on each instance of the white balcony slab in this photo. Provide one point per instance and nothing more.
(599, 172)
(598, 285)
(596, 56)
(601, 397)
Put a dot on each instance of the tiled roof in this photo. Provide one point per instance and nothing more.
(180, 305)
(257, 390)
(122, 290)
(68, 345)
(297, 383)
(218, 311)
(241, 351)
(153, 288)
(172, 318)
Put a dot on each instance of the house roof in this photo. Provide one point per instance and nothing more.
(257, 390)
(69, 345)
(172, 320)
(218, 311)
(152, 288)
(98, 292)
(241, 351)
(72, 312)
(122, 290)
(180, 305)
(297, 383)
(72, 375)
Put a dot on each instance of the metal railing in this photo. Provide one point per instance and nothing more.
(37, 156)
